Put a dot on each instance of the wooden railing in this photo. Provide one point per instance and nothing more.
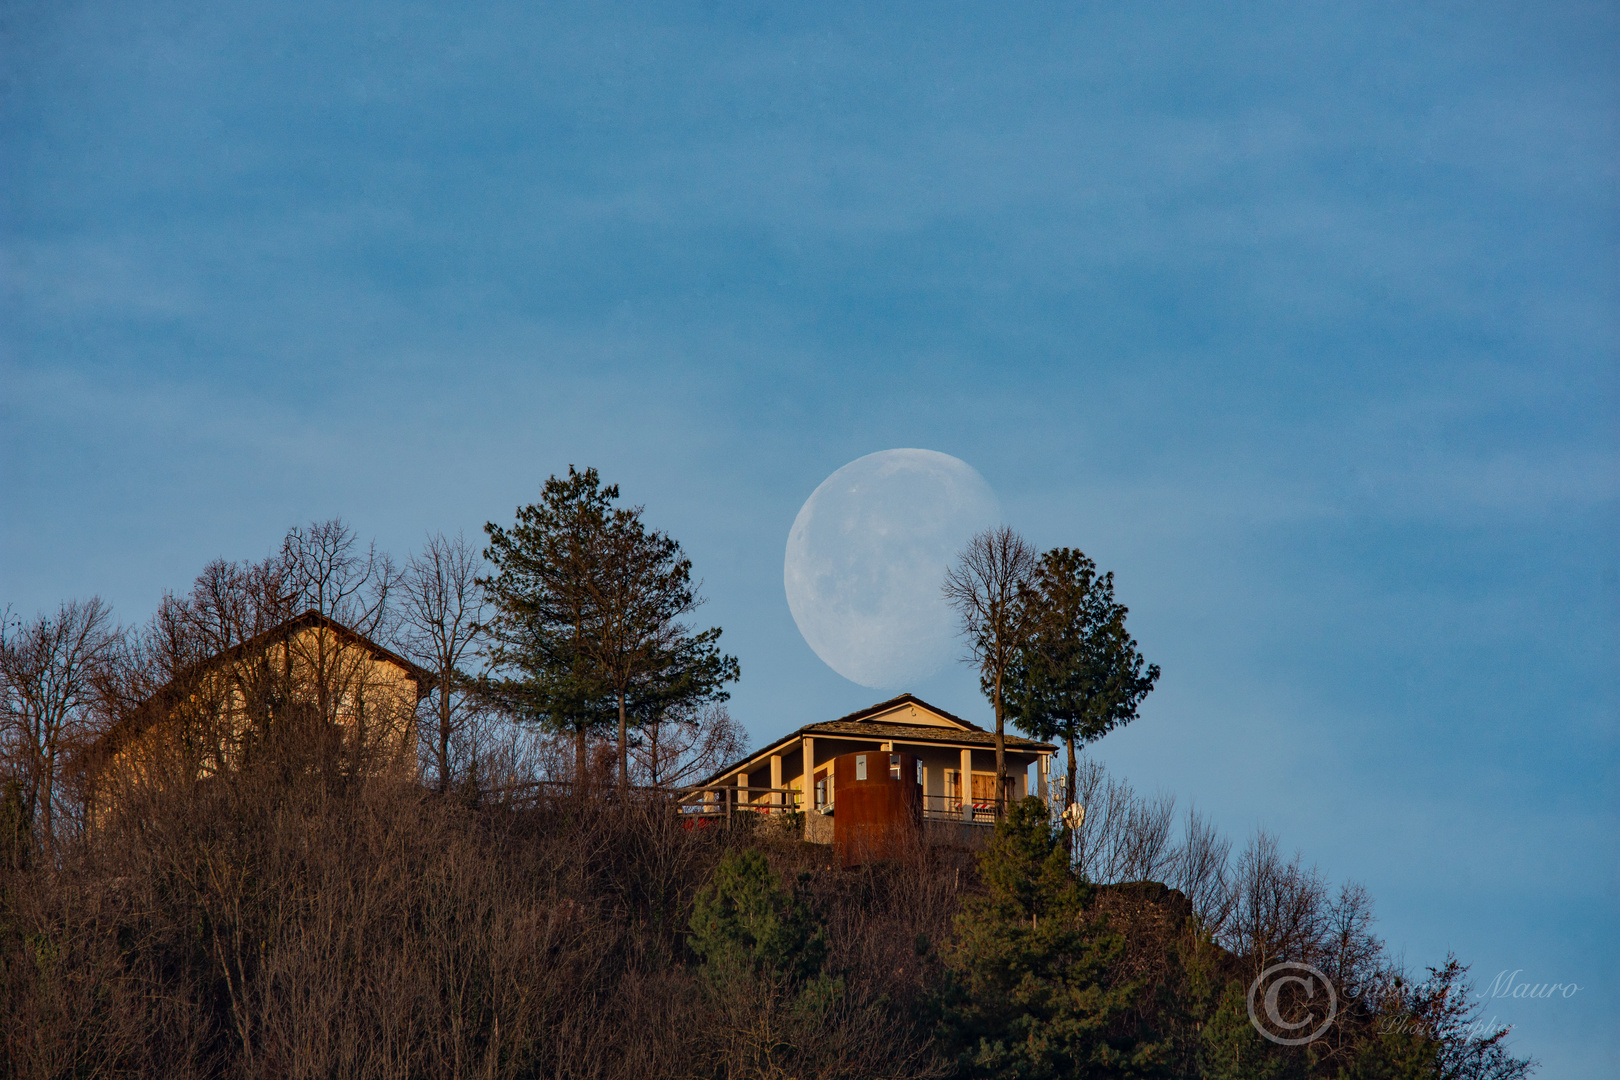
(712, 802)
(696, 801)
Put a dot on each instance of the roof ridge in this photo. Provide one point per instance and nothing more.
(907, 698)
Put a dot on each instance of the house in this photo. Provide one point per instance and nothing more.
(954, 760)
(344, 701)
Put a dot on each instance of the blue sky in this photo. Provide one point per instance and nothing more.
(1300, 318)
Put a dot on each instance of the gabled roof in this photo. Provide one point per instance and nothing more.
(869, 723)
(872, 712)
(313, 619)
(425, 680)
(151, 709)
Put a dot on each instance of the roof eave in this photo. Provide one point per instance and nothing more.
(810, 730)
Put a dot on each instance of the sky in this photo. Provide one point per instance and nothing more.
(1301, 318)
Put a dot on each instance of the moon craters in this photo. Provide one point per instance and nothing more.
(866, 557)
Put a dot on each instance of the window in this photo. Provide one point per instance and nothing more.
(821, 791)
(860, 766)
(894, 766)
(919, 773)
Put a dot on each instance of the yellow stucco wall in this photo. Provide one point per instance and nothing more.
(316, 680)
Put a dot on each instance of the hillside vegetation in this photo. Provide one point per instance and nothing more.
(291, 920)
(272, 887)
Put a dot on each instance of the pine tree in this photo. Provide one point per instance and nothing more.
(744, 919)
(1077, 674)
(543, 609)
(587, 627)
(763, 950)
(1027, 991)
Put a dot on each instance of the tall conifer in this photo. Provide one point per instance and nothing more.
(1078, 673)
(588, 628)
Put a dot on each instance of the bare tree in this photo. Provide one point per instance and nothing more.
(50, 671)
(686, 742)
(985, 586)
(1280, 909)
(234, 602)
(1200, 870)
(1353, 957)
(185, 696)
(230, 668)
(328, 572)
(442, 609)
(499, 755)
(1125, 836)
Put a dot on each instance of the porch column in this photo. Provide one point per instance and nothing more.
(807, 754)
(965, 785)
(776, 779)
(742, 782)
(1040, 775)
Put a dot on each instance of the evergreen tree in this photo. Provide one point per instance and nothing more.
(587, 606)
(644, 656)
(543, 609)
(763, 950)
(1078, 673)
(744, 920)
(1027, 992)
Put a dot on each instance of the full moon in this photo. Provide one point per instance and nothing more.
(866, 558)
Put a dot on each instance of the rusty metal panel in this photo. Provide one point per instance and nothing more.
(877, 811)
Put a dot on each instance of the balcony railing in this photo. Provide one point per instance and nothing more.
(950, 808)
(725, 801)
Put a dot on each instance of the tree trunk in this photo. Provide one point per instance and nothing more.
(652, 749)
(581, 776)
(47, 803)
(444, 735)
(1001, 753)
(624, 752)
(1068, 798)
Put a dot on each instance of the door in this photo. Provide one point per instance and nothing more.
(984, 791)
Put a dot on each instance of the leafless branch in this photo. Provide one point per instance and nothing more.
(985, 586)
